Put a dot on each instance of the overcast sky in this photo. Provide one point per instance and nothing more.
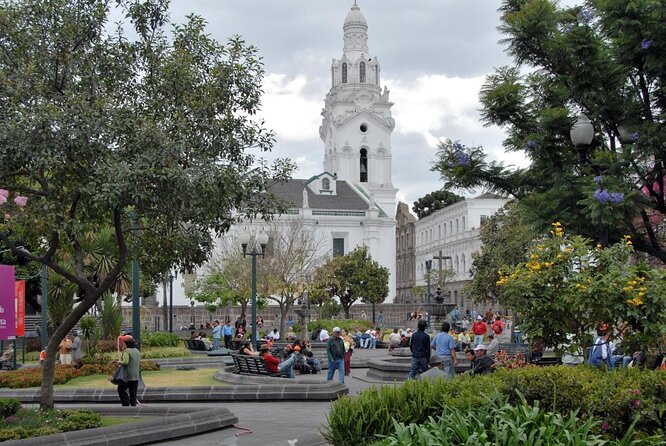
(434, 55)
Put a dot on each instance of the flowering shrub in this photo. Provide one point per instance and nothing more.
(18, 379)
(585, 286)
(503, 360)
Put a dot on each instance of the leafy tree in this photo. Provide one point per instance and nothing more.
(98, 128)
(350, 277)
(605, 59)
(226, 281)
(505, 239)
(568, 286)
(433, 201)
(293, 253)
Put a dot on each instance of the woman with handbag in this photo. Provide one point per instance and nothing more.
(129, 358)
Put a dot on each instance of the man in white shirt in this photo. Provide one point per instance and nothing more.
(274, 335)
(323, 335)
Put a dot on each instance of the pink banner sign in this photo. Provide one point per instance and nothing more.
(7, 303)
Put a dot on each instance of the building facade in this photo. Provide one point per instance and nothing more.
(404, 254)
(449, 237)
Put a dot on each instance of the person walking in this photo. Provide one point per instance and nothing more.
(479, 328)
(419, 345)
(76, 348)
(228, 333)
(130, 358)
(445, 348)
(335, 349)
(217, 335)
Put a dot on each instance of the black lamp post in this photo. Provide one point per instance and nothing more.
(262, 240)
(428, 266)
(172, 275)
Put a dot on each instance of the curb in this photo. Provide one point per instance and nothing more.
(171, 425)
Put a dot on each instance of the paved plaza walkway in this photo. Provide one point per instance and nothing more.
(270, 423)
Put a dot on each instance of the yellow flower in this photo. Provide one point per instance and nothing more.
(635, 302)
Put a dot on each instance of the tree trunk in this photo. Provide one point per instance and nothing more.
(346, 309)
(284, 310)
(48, 372)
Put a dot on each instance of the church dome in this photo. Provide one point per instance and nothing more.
(355, 17)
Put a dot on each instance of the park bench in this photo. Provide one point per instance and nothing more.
(195, 344)
(252, 365)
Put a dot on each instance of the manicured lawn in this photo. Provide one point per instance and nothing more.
(112, 421)
(160, 378)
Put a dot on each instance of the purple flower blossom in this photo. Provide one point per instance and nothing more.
(20, 201)
(646, 43)
(451, 165)
(605, 426)
(636, 404)
(3, 199)
(616, 197)
(585, 16)
(633, 136)
(458, 146)
(531, 144)
(462, 158)
(4, 193)
(601, 195)
(598, 179)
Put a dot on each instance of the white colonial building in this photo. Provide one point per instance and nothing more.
(453, 232)
(352, 202)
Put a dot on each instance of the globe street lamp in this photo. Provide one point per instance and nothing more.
(262, 240)
(582, 134)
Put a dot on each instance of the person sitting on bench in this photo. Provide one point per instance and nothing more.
(285, 367)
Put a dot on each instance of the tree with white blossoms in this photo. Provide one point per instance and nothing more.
(100, 127)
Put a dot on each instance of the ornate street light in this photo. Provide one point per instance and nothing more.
(262, 240)
(582, 134)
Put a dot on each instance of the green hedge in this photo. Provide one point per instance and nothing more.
(613, 398)
(35, 423)
(502, 423)
(9, 407)
(349, 325)
(160, 339)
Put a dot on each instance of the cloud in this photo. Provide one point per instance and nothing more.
(287, 110)
(436, 106)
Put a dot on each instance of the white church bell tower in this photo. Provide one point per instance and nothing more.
(357, 123)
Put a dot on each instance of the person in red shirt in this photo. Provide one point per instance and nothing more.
(271, 361)
(480, 329)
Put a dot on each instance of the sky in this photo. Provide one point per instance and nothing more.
(434, 56)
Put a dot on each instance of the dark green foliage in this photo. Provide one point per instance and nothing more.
(433, 201)
(605, 59)
(28, 423)
(350, 277)
(506, 237)
(104, 124)
(160, 339)
(501, 423)
(605, 397)
(8, 407)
